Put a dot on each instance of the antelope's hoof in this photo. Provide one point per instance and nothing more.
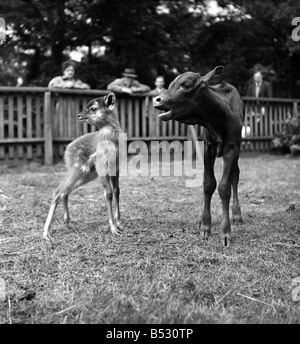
(120, 225)
(67, 220)
(48, 239)
(115, 230)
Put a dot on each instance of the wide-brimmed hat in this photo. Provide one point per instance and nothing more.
(129, 72)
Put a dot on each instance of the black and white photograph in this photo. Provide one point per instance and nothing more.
(149, 165)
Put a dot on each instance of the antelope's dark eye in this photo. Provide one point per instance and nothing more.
(185, 86)
(94, 108)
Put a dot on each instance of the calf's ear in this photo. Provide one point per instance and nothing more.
(110, 100)
(214, 76)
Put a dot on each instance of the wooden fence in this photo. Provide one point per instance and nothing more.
(263, 119)
(22, 124)
(36, 123)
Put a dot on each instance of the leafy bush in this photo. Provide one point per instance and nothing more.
(288, 141)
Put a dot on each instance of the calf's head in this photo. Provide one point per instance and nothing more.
(182, 99)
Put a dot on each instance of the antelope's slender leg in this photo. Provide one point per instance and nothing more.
(116, 193)
(108, 193)
(73, 180)
(47, 225)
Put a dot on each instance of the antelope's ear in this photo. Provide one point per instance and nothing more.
(214, 76)
(110, 101)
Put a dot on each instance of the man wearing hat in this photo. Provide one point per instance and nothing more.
(128, 84)
(259, 87)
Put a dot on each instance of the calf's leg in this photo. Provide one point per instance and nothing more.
(230, 157)
(236, 210)
(209, 187)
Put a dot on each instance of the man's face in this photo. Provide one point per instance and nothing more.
(257, 77)
(159, 82)
(128, 80)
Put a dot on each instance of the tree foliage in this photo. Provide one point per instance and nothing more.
(153, 36)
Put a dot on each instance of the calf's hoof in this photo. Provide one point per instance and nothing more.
(237, 219)
(205, 232)
(226, 239)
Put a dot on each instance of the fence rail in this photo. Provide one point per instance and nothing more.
(36, 123)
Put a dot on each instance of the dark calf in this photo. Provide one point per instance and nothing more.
(218, 107)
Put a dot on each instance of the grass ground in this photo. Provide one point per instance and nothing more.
(159, 270)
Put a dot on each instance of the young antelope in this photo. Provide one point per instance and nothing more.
(90, 156)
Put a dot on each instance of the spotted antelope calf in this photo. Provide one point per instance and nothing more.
(90, 156)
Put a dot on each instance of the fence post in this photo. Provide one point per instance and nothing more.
(151, 116)
(295, 109)
(48, 129)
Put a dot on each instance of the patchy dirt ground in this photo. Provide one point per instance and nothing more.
(159, 270)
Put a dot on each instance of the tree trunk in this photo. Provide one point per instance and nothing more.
(59, 40)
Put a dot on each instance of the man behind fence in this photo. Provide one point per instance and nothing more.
(258, 87)
(128, 84)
